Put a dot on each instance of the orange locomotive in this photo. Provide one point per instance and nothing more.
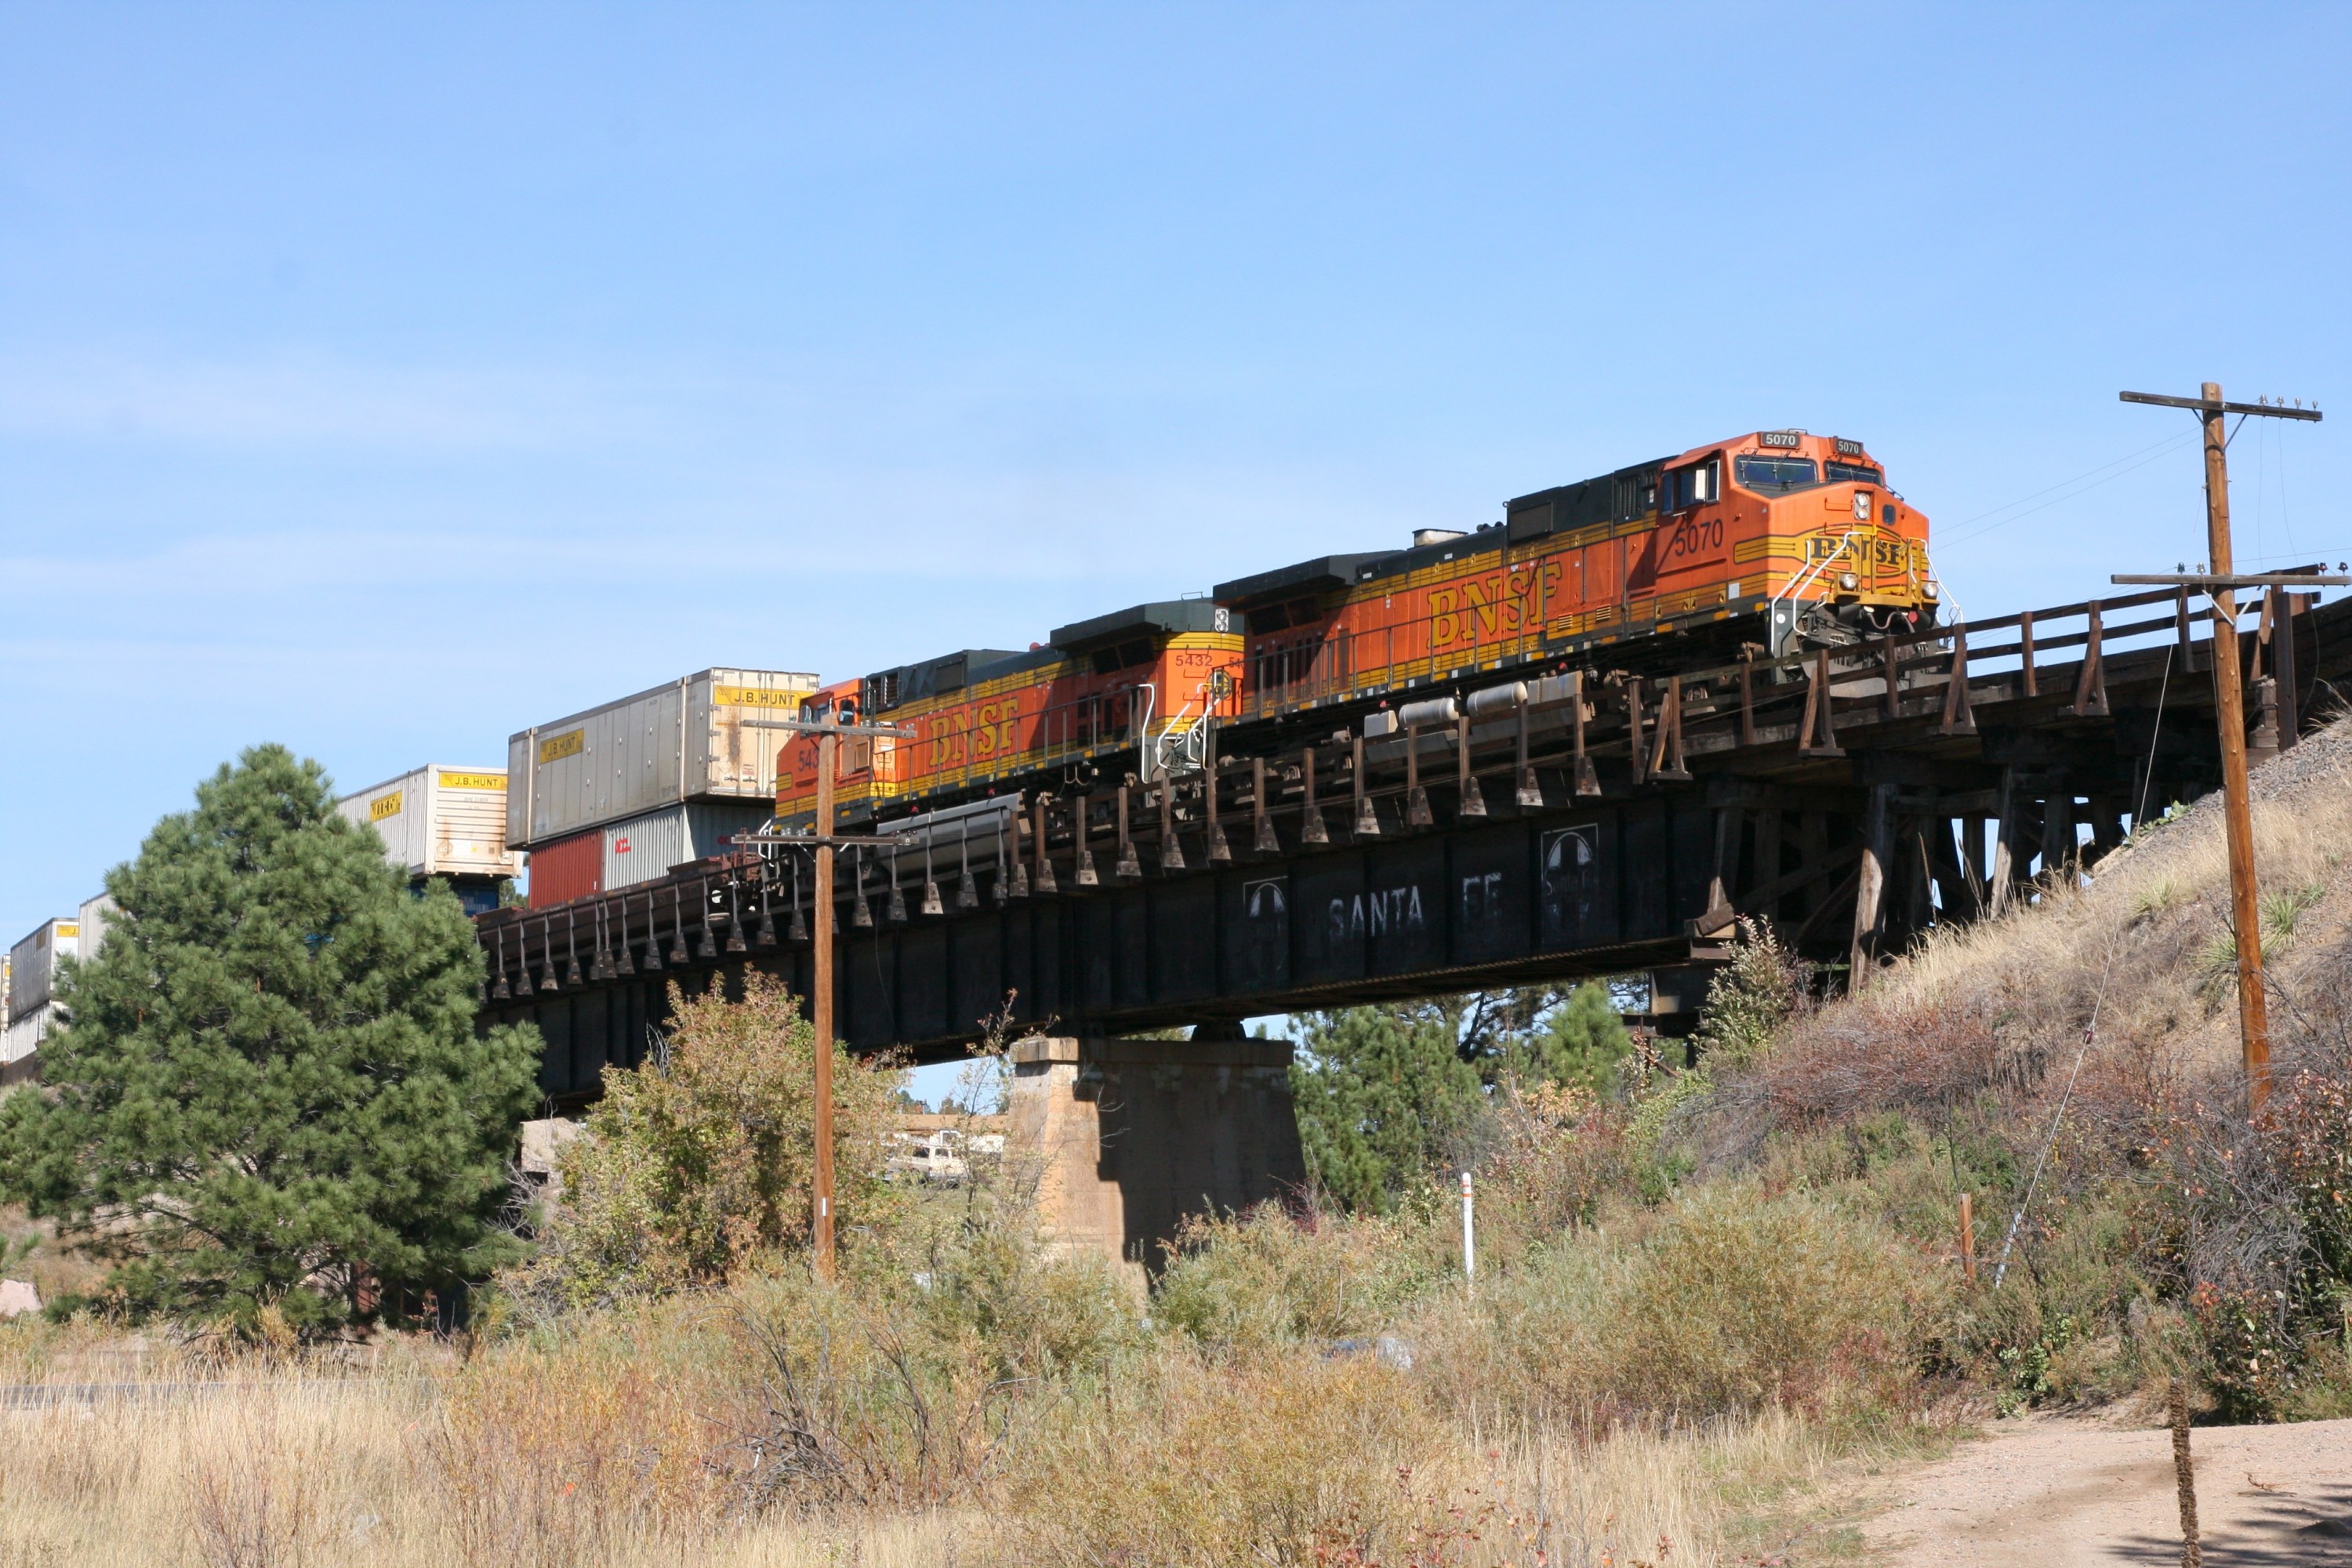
(1777, 538)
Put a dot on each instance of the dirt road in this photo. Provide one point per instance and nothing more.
(2065, 1493)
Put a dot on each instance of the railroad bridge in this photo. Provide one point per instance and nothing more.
(1536, 822)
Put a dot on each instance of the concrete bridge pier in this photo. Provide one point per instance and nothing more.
(1133, 1137)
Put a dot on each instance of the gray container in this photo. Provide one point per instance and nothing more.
(33, 964)
(438, 821)
(645, 847)
(96, 914)
(672, 746)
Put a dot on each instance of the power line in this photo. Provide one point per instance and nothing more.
(2073, 487)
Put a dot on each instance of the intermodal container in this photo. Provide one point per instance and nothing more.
(645, 847)
(564, 869)
(438, 821)
(33, 964)
(699, 737)
(25, 1033)
(96, 914)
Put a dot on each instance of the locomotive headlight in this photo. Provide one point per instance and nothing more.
(1927, 590)
(1849, 582)
(1862, 506)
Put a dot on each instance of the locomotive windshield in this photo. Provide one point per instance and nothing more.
(1856, 474)
(1779, 476)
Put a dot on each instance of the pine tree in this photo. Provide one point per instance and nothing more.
(271, 1091)
(1580, 1040)
(1385, 1097)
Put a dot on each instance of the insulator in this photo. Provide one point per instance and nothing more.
(861, 915)
(897, 907)
(1368, 821)
(1312, 830)
(1266, 842)
(1473, 804)
(1086, 877)
(797, 928)
(1130, 868)
(931, 904)
(968, 892)
(707, 947)
(1171, 854)
(1416, 809)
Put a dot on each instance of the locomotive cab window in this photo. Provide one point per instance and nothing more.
(1694, 485)
(1855, 474)
(1776, 476)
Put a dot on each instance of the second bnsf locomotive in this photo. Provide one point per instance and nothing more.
(1777, 538)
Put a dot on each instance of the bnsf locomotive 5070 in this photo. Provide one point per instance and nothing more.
(1779, 538)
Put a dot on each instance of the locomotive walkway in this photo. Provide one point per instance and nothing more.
(1553, 823)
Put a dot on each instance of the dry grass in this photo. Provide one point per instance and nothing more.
(624, 1452)
(277, 1468)
(2158, 908)
(1294, 1462)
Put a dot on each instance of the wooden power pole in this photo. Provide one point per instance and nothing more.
(829, 734)
(2229, 713)
(828, 744)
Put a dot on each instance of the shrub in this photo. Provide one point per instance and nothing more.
(1729, 1300)
(1268, 1277)
(1274, 1459)
(700, 1164)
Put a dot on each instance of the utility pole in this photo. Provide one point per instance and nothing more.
(829, 732)
(2229, 713)
(829, 744)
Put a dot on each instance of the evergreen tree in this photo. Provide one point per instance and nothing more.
(1384, 1096)
(271, 1091)
(1579, 1041)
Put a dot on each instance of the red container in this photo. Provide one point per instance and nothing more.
(568, 869)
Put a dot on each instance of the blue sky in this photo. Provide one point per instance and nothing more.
(382, 381)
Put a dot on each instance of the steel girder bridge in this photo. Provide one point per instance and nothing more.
(1550, 824)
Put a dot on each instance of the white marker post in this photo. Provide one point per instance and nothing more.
(1469, 1237)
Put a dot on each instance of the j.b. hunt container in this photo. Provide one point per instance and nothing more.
(439, 821)
(684, 742)
(641, 849)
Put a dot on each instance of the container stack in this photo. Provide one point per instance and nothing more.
(444, 822)
(619, 795)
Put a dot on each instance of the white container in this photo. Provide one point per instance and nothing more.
(643, 848)
(25, 1033)
(671, 745)
(33, 964)
(440, 821)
